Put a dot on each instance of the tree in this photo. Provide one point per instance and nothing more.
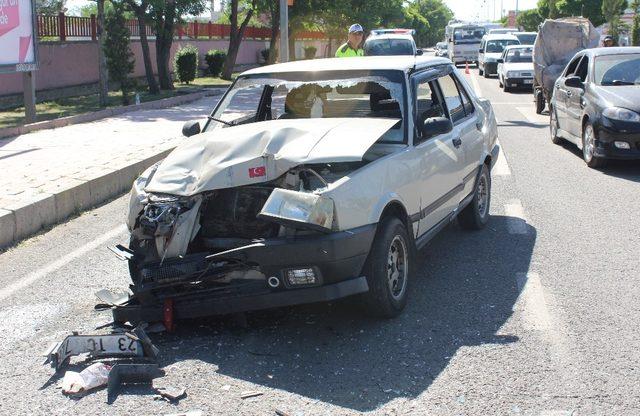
(429, 18)
(529, 20)
(140, 8)
(50, 6)
(164, 15)
(235, 35)
(103, 80)
(119, 57)
(635, 28)
(611, 11)
(272, 8)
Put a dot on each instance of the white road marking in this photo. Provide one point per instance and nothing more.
(516, 222)
(501, 168)
(532, 117)
(532, 307)
(61, 262)
(476, 85)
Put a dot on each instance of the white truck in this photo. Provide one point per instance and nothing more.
(463, 41)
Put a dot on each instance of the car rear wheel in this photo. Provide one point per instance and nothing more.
(476, 215)
(589, 146)
(553, 126)
(388, 269)
(540, 104)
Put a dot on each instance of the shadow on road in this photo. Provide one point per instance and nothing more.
(522, 123)
(462, 295)
(623, 169)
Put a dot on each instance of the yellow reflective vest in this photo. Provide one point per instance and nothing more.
(346, 51)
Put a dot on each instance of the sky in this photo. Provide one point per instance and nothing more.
(486, 9)
(463, 9)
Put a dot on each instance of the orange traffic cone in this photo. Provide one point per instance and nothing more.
(466, 68)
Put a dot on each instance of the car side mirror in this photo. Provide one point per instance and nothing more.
(500, 61)
(480, 50)
(573, 82)
(419, 52)
(434, 126)
(191, 128)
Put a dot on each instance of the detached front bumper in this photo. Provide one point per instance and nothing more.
(337, 260)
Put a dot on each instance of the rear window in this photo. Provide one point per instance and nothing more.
(497, 46)
(377, 47)
(526, 38)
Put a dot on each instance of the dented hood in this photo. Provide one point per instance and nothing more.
(263, 151)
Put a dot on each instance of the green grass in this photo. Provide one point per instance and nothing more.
(63, 107)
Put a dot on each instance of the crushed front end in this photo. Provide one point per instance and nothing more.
(242, 248)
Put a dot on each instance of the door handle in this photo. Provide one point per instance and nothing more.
(457, 142)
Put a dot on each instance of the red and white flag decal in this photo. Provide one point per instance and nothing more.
(257, 172)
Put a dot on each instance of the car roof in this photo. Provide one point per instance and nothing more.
(500, 36)
(509, 47)
(525, 33)
(618, 50)
(391, 36)
(396, 62)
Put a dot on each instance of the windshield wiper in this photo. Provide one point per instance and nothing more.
(620, 82)
(228, 123)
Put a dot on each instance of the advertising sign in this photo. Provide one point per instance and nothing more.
(18, 36)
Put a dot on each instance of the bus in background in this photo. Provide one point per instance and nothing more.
(463, 41)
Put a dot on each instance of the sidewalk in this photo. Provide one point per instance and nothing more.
(49, 175)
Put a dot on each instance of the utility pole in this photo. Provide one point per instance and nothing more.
(284, 31)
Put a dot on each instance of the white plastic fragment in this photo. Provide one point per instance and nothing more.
(95, 375)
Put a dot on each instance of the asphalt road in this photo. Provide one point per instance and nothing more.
(535, 315)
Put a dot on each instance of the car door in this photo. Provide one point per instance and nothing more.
(500, 70)
(481, 53)
(574, 106)
(472, 139)
(560, 93)
(441, 159)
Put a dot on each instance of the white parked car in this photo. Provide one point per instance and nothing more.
(491, 48)
(310, 181)
(515, 67)
(391, 42)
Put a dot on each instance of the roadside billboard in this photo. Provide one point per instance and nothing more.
(18, 36)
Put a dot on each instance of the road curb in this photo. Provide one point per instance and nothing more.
(108, 112)
(74, 195)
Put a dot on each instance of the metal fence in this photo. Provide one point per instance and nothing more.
(63, 27)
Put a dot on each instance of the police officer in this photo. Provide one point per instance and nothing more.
(353, 47)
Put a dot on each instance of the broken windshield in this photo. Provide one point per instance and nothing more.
(264, 97)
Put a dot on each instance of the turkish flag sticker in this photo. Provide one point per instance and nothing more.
(257, 172)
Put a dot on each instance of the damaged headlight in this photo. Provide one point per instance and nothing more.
(299, 210)
(139, 197)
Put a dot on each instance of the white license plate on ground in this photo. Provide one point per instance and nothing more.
(528, 81)
(99, 345)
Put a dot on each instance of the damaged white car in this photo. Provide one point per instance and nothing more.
(310, 181)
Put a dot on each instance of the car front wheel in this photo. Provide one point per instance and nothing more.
(476, 215)
(589, 147)
(388, 269)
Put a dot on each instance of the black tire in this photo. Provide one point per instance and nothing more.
(540, 102)
(381, 301)
(500, 84)
(553, 126)
(476, 215)
(486, 74)
(592, 161)
(480, 72)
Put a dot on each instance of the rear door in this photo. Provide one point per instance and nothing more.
(441, 160)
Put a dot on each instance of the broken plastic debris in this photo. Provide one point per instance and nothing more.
(248, 394)
(95, 375)
(171, 393)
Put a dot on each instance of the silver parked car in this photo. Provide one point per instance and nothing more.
(310, 181)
